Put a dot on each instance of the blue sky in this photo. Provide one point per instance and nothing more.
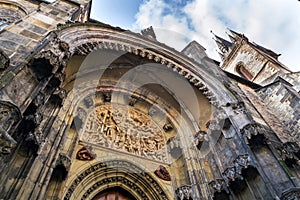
(116, 12)
(273, 24)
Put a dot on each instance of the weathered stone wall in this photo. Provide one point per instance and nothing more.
(285, 103)
(294, 79)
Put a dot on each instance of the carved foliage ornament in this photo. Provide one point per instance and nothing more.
(126, 129)
(10, 115)
(86, 153)
(162, 173)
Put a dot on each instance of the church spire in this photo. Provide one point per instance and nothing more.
(236, 36)
(223, 45)
(231, 37)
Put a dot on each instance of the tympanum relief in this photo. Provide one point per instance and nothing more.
(126, 129)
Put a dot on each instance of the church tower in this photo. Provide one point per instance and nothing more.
(249, 60)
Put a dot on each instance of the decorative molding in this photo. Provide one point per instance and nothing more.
(251, 130)
(145, 185)
(113, 180)
(241, 162)
(231, 174)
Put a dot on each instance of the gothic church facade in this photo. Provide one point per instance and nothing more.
(91, 111)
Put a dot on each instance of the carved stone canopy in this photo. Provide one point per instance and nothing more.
(290, 153)
(184, 192)
(232, 173)
(218, 185)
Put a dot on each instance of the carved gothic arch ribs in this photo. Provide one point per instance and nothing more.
(88, 47)
(102, 175)
(85, 39)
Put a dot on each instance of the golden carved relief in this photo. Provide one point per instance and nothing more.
(127, 129)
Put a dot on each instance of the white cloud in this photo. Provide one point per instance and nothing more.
(271, 23)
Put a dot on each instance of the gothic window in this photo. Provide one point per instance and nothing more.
(243, 72)
(9, 14)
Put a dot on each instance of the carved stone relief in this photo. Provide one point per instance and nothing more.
(199, 138)
(126, 129)
(175, 149)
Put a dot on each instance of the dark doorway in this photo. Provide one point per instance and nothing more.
(116, 193)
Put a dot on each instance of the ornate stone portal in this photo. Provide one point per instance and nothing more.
(126, 129)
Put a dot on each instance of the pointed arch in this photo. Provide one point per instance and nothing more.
(114, 173)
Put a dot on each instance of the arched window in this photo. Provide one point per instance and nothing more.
(243, 72)
(10, 13)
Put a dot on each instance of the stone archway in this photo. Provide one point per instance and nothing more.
(87, 38)
(110, 174)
